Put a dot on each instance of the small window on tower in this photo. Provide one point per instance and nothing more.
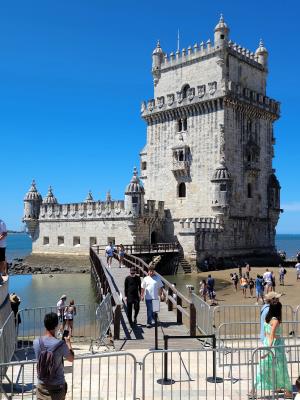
(181, 156)
(184, 91)
(184, 124)
(179, 125)
(222, 36)
(76, 241)
(134, 200)
(249, 191)
(45, 240)
(93, 240)
(223, 187)
(182, 190)
(144, 165)
(60, 240)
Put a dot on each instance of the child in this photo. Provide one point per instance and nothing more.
(298, 388)
(203, 289)
(251, 286)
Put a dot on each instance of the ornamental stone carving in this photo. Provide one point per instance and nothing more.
(179, 96)
(170, 99)
(191, 93)
(143, 106)
(160, 101)
(212, 87)
(201, 90)
(151, 105)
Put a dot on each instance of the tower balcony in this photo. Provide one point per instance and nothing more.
(181, 168)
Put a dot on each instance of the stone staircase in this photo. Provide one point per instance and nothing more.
(184, 264)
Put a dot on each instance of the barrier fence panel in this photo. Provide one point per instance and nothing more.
(104, 318)
(103, 376)
(245, 334)
(203, 315)
(32, 323)
(244, 313)
(8, 339)
(274, 371)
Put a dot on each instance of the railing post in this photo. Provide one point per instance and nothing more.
(178, 312)
(169, 294)
(192, 320)
(117, 322)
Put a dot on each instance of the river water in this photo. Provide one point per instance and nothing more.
(41, 290)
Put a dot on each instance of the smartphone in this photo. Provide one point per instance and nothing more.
(65, 334)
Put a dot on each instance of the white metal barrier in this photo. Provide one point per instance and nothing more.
(103, 376)
(204, 314)
(104, 319)
(32, 323)
(190, 375)
(8, 339)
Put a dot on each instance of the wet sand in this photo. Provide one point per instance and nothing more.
(290, 291)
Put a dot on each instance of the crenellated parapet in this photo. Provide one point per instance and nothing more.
(209, 224)
(205, 98)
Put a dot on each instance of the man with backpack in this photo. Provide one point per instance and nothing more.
(49, 353)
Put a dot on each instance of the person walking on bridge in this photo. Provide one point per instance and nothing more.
(151, 290)
(132, 292)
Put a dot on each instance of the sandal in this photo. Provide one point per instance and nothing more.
(287, 394)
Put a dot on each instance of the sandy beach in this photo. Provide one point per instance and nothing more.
(227, 295)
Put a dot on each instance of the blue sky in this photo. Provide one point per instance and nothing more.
(73, 75)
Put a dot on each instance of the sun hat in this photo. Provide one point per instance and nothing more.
(272, 295)
(64, 296)
(14, 298)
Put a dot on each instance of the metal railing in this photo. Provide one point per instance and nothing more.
(104, 319)
(143, 248)
(32, 323)
(100, 376)
(8, 339)
(105, 285)
(185, 309)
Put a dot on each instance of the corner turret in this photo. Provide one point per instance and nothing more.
(221, 188)
(221, 35)
(157, 59)
(32, 204)
(134, 196)
(262, 54)
(89, 198)
(50, 198)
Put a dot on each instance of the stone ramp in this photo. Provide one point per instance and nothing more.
(140, 336)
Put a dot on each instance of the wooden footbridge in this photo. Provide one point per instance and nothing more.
(177, 314)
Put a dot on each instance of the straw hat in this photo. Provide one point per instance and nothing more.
(63, 296)
(272, 295)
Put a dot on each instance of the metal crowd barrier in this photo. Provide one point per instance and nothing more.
(8, 339)
(32, 323)
(191, 375)
(104, 319)
(101, 376)
(204, 314)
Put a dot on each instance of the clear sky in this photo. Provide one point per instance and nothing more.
(73, 75)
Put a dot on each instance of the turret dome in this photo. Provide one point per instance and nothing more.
(135, 185)
(50, 198)
(221, 173)
(158, 49)
(89, 198)
(222, 26)
(32, 193)
(261, 50)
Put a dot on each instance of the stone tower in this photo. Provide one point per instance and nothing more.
(209, 147)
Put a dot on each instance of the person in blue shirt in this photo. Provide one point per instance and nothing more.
(270, 298)
(259, 288)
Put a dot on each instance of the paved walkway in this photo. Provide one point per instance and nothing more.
(141, 337)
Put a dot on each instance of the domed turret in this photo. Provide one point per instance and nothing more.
(89, 198)
(134, 195)
(157, 59)
(50, 198)
(221, 33)
(221, 187)
(32, 204)
(262, 54)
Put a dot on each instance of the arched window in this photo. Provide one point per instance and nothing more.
(249, 190)
(181, 190)
(179, 125)
(184, 124)
(181, 156)
(184, 91)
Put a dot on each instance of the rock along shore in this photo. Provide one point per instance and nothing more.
(49, 264)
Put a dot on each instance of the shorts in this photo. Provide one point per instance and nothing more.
(244, 286)
(259, 293)
(2, 254)
(51, 392)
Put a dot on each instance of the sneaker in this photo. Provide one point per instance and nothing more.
(149, 326)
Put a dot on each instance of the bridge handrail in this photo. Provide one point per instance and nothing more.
(143, 248)
(178, 300)
(106, 285)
